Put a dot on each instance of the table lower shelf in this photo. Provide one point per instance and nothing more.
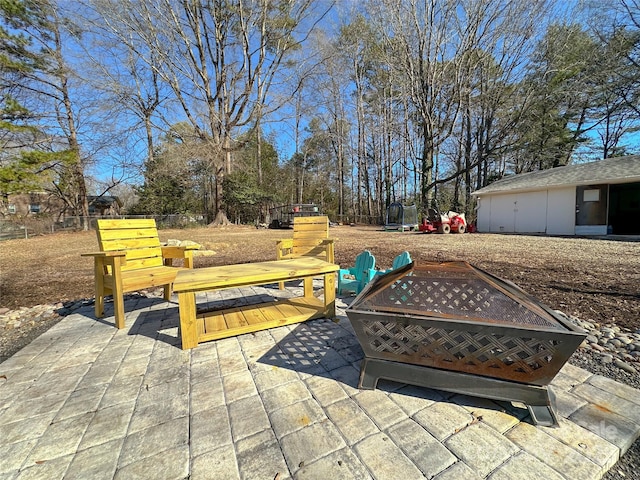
(214, 325)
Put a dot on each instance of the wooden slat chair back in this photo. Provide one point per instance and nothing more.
(355, 278)
(137, 238)
(132, 258)
(310, 239)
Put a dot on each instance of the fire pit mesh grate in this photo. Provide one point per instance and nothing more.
(512, 357)
(463, 294)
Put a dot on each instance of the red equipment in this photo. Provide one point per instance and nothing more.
(443, 223)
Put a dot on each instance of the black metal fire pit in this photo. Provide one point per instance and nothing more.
(454, 327)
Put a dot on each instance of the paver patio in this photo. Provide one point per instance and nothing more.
(85, 400)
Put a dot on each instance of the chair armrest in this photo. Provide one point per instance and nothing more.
(102, 259)
(369, 274)
(328, 243)
(185, 252)
(347, 271)
(283, 247)
(115, 253)
(284, 243)
(171, 251)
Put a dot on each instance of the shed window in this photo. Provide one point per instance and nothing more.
(34, 208)
(11, 208)
(592, 195)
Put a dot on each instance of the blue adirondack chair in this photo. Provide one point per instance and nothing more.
(400, 261)
(355, 278)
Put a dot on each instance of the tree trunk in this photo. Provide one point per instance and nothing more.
(72, 135)
(220, 220)
(427, 166)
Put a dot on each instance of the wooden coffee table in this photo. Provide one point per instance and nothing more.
(196, 328)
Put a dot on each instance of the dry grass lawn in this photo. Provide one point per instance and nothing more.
(596, 280)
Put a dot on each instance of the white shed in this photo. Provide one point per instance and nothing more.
(596, 198)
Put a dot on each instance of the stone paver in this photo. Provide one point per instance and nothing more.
(472, 443)
(618, 389)
(614, 428)
(381, 409)
(458, 471)
(85, 400)
(340, 465)
(283, 395)
(260, 456)
(562, 458)
(443, 419)
(592, 446)
(60, 439)
(171, 464)
(310, 444)
(293, 417)
(385, 459)
(428, 454)
(351, 420)
(97, 462)
(609, 401)
(247, 417)
(524, 466)
(209, 430)
(219, 463)
(491, 413)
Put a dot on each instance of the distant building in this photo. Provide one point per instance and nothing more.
(32, 204)
(596, 198)
(43, 203)
(104, 206)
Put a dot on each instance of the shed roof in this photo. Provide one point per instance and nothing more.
(611, 170)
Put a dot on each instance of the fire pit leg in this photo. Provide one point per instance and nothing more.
(539, 400)
(544, 415)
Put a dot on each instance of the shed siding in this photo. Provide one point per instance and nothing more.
(503, 214)
(483, 213)
(547, 211)
(531, 212)
(561, 211)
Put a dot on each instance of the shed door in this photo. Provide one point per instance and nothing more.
(531, 212)
(503, 213)
(591, 205)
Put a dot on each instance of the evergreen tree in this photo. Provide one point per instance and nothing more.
(27, 156)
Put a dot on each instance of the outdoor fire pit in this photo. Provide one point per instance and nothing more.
(454, 327)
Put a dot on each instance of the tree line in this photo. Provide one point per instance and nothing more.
(228, 107)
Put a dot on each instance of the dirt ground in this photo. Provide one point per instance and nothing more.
(596, 280)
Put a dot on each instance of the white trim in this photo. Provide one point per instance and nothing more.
(591, 230)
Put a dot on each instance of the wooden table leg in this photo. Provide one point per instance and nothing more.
(188, 329)
(308, 286)
(330, 294)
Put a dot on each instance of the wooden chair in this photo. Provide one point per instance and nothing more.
(310, 239)
(400, 261)
(131, 258)
(354, 279)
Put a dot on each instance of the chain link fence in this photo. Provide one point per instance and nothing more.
(12, 228)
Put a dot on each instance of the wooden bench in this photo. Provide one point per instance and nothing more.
(310, 239)
(131, 258)
(235, 321)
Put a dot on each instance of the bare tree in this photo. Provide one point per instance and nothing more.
(220, 58)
